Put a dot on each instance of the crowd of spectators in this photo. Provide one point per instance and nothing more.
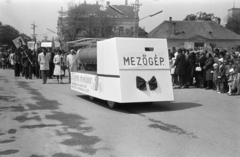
(217, 70)
(27, 64)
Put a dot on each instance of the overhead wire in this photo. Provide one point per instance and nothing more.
(47, 21)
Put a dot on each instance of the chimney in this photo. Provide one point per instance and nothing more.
(108, 2)
(126, 2)
(174, 28)
(97, 2)
(85, 2)
(170, 18)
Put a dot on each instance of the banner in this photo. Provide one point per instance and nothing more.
(46, 44)
(18, 42)
(30, 45)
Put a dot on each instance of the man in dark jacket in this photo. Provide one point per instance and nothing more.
(180, 67)
(18, 58)
(27, 58)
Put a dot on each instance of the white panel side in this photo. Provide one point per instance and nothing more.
(100, 56)
(106, 88)
(107, 57)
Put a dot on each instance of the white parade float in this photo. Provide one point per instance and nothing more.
(128, 70)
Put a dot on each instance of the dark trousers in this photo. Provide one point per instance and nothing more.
(221, 87)
(17, 69)
(44, 76)
(28, 72)
(37, 72)
(51, 68)
(180, 80)
(69, 72)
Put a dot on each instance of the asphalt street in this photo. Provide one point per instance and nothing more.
(51, 120)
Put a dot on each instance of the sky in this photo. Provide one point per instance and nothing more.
(22, 13)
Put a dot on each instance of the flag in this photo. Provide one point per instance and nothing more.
(115, 9)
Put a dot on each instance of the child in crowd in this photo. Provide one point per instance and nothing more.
(215, 77)
(229, 76)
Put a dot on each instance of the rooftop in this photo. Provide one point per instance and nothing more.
(192, 29)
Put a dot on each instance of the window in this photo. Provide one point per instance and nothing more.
(199, 45)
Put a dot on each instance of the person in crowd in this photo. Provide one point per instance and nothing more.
(236, 75)
(57, 60)
(180, 67)
(221, 76)
(1, 57)
(51, 64)
(189, 69)
(4, 59)
(27, 64)
(64, 58)
(215, 56)
(72, 63)
(11, 59)
(18, 58)
(229, 75)
(8, 65)
(43, 60)
(200, 61)
(37, 72)
(215, 77)
(208, 68)
(172, 60)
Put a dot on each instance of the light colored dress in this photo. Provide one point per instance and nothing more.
(57, 69)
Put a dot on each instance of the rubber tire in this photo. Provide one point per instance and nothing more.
(91, 98)
(111, 104)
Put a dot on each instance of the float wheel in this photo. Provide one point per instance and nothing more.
(111, 104)
(91, 98)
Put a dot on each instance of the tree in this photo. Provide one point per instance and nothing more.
(202, 16)
(7, 34)
(233, 23)
(80, 23)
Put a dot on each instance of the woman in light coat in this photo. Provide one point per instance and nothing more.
(58, 61)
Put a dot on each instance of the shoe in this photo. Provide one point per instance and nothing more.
(207, 88)
(218, 92)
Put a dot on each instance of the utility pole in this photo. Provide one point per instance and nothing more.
(34, 35)
(136, 7)
(60, 27)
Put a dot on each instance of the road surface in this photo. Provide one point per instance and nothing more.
(50, 120)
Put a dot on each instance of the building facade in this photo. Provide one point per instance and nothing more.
(122, 25)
